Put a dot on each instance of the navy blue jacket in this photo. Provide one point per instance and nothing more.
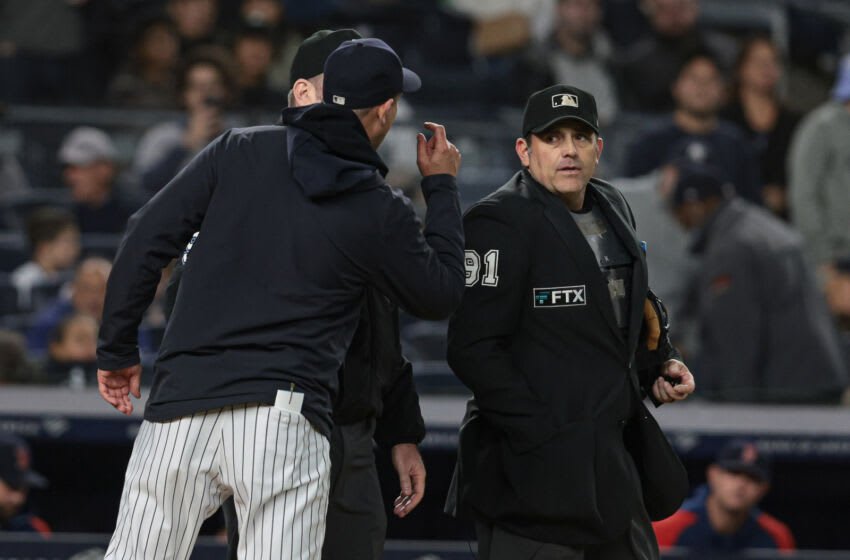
(294, 222)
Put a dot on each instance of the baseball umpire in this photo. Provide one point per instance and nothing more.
(546, 339)
(295, 222)
(377, 398)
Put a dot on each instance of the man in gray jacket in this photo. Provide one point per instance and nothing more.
(765, 332)
(819, 167)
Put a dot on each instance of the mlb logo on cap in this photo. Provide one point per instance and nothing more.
(338, 100)
(564, 100)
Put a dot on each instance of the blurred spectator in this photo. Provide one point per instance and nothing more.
(207, 84)
(72, 352)
(671, 265)
(14, 365)
(722, 516)
(648, 68)
(270, 14)
(196, 22)
(579, 53)
(16, 479)
(254, 51)
(54, 242)
(40, 46)
(758, 110)
(819, 166)
(765, 333)
(148, 79)
(505, 26)
(696, 132)
(85, 296)
(90, 171)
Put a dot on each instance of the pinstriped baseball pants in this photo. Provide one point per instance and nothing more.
(274, 464)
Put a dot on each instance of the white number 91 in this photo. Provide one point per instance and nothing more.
(472, 262)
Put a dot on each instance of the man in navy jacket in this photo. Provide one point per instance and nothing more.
(295, 221)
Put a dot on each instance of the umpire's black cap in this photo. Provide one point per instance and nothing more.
(366, 72)
(556, 103)
(310, 58)
(15, 468)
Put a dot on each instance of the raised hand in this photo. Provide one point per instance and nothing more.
(436, 156)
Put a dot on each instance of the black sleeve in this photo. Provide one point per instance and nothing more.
(157, 233)
(423, 271)
(482, 329)
(401, 420)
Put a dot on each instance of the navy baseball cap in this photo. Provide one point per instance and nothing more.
(312, 53)
(554, 104)
(744, 457)
(366, 72)
(15, 464)
(698, 182)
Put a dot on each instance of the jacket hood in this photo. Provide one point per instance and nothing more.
(329, 151)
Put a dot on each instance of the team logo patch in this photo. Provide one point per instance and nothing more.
(338, 100)
(564, 100)
(564, 296)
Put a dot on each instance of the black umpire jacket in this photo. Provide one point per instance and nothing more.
(536, 340)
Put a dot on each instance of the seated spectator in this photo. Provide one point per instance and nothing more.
(696, 132)
(72, 352)
(648, 69)
(16, 479)
(90, 171)
(41, 44)
(765, 333)
(579, 53)
(148, 79)
(819, 166)
(54, 242)
(207, 84)
(197, 23)
(15, 368)
(270, 14)
(722, 516)
(254, 52)
(757, 109)
(85, 296)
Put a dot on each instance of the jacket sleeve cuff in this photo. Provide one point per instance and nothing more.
(437, 183)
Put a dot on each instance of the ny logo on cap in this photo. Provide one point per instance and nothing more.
(565, 100)
(339, 100)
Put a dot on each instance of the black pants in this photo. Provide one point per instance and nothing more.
(356, 521)
(638, 543)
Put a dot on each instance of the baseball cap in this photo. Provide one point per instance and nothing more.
(312, 53)
(366, 72)
(841, 91)
(85, 145)
(744, 457)
(556, 103)
(15, 464)
(698, 182)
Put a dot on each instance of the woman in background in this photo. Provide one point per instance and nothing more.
(758, 109)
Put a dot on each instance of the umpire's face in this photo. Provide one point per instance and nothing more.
(562, 158)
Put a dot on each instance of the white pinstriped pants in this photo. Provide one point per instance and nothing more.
(273, 462)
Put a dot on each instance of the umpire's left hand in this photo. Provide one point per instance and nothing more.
(116, 386)
(666, 392)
